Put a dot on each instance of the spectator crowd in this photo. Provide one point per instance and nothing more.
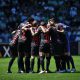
(13, 12)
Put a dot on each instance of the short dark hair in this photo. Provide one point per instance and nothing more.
(30, 19)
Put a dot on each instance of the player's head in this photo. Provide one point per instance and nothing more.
(60, 27)
(51, 22)
(30, 20)
(34, 23)
(21, 25)
(43, 23)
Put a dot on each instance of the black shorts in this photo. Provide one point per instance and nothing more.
(51, 49)
(45, 48)
(59, 49)
(13, 51)
(24, 49)
(34, 50)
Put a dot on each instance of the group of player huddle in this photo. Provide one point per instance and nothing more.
(41, 40)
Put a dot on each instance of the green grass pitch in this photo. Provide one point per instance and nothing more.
(35, 76)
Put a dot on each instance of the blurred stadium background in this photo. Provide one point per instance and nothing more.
(13, 12)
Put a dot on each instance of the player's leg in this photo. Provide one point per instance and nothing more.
(48, 56)
(20, 64)
(67, 63)
(13, 52)
(20, 58)
(63, 63)
(38, 58)
(57, 62)
(72, 63)
(32, 64)
(27, 64)
(10, 64)
(27, 58)
(48, 63)
(38, 64)
(33, 52)
(41, 54)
